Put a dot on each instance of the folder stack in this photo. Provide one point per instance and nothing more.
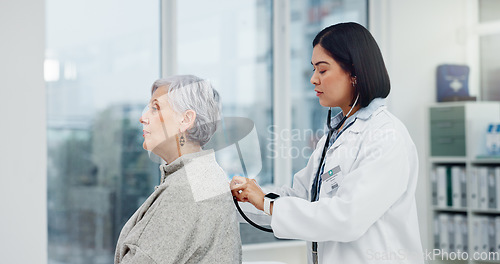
(485, 187)
(449, 186)
(451, 233)
(485, 233)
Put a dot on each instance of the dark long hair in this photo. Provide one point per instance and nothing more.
(353, 47)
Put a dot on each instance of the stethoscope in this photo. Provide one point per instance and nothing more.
(314, 189)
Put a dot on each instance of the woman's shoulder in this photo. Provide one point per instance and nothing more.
(383, 118)
(384, 124)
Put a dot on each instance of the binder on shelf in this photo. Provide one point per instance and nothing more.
(497, 181)
(434, 187)
(437, 244)
(465, 233)
(473, 187)
(463, 187)
(458, 221)
(492, 196)
(476, 234)
(443, 233)
(441, 186)
(483, 187)
(484, 242)
(491, 234)
(456, 186)
(449, 186)
(497, 233)
(451, 234)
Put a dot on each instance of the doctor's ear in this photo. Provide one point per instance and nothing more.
(188, 119)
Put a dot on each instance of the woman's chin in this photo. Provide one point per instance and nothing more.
(324, 103)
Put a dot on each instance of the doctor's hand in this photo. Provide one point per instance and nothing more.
(247, 190)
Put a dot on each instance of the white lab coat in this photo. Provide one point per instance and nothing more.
(371, 217)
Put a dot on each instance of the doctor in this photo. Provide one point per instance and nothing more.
(355, 200)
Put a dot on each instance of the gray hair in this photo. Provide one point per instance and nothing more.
(188, 92)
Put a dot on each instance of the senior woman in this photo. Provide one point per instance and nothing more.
(185, 220)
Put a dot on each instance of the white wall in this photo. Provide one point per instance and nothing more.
(415, 37)
(23, 235)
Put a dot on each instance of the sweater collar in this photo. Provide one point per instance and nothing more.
(179, 163)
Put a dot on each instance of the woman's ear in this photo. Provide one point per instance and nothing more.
(354, 80)
(187, 121)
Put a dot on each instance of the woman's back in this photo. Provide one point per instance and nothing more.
(185, 220)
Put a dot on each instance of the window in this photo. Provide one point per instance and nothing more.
(489, 41)
(490, 67)
(230, 43)
(307, 18)
(101, 59)
(489, 11)
(98, 73)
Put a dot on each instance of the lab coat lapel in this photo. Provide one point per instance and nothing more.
(352, 131)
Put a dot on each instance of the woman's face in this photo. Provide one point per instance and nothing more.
(160, 124)
(332, 84)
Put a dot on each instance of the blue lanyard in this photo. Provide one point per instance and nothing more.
(317, 179)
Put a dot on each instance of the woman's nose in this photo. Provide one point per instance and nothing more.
(143, 120)
(314, 79)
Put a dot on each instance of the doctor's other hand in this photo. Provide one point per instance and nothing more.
(247, 190)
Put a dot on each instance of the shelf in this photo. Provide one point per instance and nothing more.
(486, 160)
(485, 211)
(450, 209)
(468, 121)
(448, 159)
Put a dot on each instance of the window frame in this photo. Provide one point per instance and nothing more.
(474, 31)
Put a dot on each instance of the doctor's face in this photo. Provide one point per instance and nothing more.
(332, 84)
(160, 124)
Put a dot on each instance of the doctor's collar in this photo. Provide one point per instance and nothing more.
(366, 112)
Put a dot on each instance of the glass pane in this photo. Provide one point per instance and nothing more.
(308, 116)
(489, 10)
(230, 43)
(101, 59)
(490, 67)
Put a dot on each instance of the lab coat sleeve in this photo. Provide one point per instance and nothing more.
(301, 181)
(364, 195)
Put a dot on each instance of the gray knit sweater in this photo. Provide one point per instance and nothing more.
(189, 218)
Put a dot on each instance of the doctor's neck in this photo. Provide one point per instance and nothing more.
(353, 108)
(345, 110)
(350, 109)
